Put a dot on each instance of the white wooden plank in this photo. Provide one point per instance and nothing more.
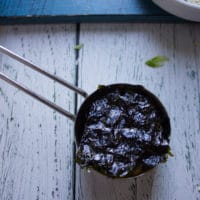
(36, 143)
(117, 53)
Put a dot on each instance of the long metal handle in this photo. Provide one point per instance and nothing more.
(38, 69)
(33, 94)
(36, 96)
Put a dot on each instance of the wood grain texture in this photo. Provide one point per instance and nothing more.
(36, 143)
(117, 53)
(44, 11)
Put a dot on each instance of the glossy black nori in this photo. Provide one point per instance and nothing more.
(122, 130)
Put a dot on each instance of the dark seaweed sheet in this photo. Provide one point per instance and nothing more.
(123, 136)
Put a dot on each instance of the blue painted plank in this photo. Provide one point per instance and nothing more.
(45, 11)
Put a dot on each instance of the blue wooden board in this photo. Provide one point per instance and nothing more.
(55, 11)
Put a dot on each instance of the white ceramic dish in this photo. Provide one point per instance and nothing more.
(180, 8)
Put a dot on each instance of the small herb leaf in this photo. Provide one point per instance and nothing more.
(78, 47)
(100, 86)
(170, 153)
(157, 61)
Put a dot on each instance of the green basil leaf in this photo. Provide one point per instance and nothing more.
(100, 86)
(78, 47)
(170, 153)
(157, 61)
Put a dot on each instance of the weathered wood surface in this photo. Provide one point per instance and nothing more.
(116, 53)
(48, 11)
(36, 143)
(36, 154)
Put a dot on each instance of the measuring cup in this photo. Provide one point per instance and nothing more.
(80, 118)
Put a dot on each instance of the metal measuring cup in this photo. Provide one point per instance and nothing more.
(80, 118)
